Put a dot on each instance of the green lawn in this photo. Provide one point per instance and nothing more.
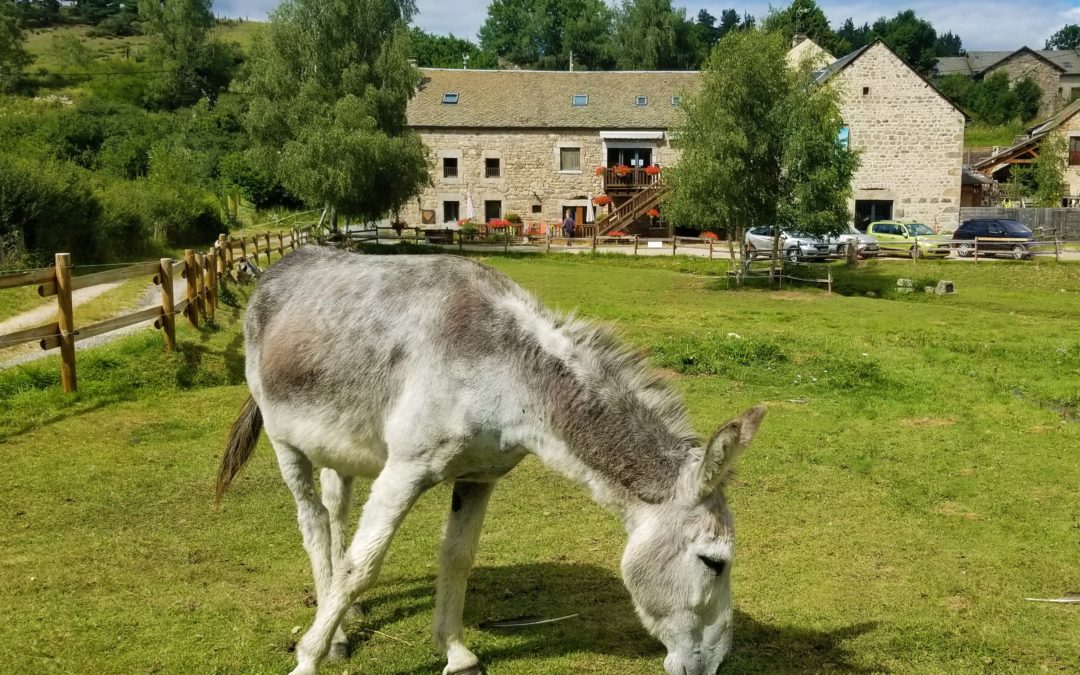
(916, 479)
(978, 135)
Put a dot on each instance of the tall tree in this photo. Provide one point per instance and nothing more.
(544, 33)
(653, 35)
(13, 55)
(38, 13)
(1066, 38)
(327, 104)
(914, 39)
(949, 44)
(854, 37)
(447, 51)
(760, 147)
(190, 64)
(804, 17)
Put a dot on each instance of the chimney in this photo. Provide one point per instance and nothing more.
(798, 39)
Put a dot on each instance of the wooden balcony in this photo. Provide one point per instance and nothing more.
(634, 181)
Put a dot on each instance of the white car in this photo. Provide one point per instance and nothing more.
(794, 246)
(866, 246)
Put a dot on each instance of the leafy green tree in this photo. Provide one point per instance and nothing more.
(759, 146)
(327, 104)
(1066, 38)
(1028, 96)
(653, 35)
(949, 44)
(543, 33)
(447, 51)
(854, 37)
(729, 21)
(38, 13)
(960, 89)
(1049, 171)
(994, 101)
(191, 64)
(805, 18)
(914, 39)
(13, 55)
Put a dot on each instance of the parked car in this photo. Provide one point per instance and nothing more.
(865, 245)
(995, 236)
(794, 246)
(913, 240)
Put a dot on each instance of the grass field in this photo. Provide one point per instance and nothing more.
(915, 479)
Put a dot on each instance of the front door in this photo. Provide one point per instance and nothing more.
(635, 158)
(869, 210)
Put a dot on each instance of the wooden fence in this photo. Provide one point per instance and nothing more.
(205, 271)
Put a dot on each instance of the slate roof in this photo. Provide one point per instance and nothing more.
(543, 99)
(975, 63)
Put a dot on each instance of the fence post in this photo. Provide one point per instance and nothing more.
(268, 247)
(976, 250)
(219, 252)
(211, 289)
(168, 306)
(281, 244)
(710, 249)
(674, 244)
(830, 279)
(243, 246)
(200, 284)
(635, 244)
(594, 243)
(230, 258)
(191, 273)
(548, 241)
(506, 239)
(66, 321)
(1057, 248)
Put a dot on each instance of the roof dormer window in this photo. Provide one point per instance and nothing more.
(642, 101)
(450, 98)
(580, 100)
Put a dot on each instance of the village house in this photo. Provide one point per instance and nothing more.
(1056, 71)
(541, 143)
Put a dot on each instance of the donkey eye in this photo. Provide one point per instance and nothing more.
(717, 566)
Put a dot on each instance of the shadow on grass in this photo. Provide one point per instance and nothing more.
(606, 625)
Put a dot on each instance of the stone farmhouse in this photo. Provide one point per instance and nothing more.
(1056, 71)
(540, 143)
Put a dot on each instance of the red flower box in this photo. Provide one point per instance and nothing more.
(498, 223)
(652, 169)
(600, 170)
(601, 200)
(621, 170)
(653, 213)
(616, 233)
(709, 235)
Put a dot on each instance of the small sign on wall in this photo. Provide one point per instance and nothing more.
(655, 244)
(427, 216)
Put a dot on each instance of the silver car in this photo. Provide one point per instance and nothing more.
(865, 245)
(794, 246)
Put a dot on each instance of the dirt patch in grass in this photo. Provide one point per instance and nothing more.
(957, 603)
(929, 422)
(957, 510)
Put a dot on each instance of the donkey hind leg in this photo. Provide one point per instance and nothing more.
(392, 495)
(314, 521)
(456, 557)
(337, 496)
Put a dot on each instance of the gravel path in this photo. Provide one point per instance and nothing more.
(47, 312)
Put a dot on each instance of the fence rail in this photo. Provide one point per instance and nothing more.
(204, 271)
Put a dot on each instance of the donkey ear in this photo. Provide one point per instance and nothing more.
(724, 448)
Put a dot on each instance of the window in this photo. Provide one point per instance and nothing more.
(844, 139)
(450, 167)
(536, 208)
(569, 159)
(492, 167)
(865, 91)
(676, 100)
(1074, 151)
(642, 101)
(492, 210)
(580, 100)
(451, 211)
(450, 98)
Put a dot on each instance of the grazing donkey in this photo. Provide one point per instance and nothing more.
(417, 370)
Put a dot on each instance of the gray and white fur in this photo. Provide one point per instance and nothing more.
(418, 370)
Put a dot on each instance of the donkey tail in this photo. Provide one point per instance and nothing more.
(243, 436)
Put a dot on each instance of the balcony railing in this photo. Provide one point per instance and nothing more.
(492, 171)
(636, 179)
(449, 171)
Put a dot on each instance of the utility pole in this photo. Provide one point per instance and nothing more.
(571, 60)
(465, 62)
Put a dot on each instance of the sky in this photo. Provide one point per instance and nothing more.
(981, 24)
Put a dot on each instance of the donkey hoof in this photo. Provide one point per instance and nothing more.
(474, 669)
(339, 651)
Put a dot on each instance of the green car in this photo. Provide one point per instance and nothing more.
(912, 240)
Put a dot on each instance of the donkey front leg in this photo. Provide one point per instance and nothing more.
(459, 543)
(315, 527)
(392, 495)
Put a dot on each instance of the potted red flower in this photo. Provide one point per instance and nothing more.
(601, 200)
(709, 235)
(652, 170)
(600, 170)
(498, 223)
(621, 170)
(653, 213)
(616, 233)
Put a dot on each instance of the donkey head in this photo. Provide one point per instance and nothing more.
(677, 563)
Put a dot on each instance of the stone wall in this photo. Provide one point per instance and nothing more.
(911, 139)
(1070, 128)
(1024, 64)
(530, 176)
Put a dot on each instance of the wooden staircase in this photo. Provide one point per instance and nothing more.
(624, 215)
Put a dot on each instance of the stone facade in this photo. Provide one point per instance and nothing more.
(1068, 130)
(806, 50)
(910, 136)
(1027, 64)
(531, 182)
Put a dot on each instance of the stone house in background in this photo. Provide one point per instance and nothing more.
(531, 142)
(911, 138)
(539, 143)
(805, 49)
(1056, 71)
